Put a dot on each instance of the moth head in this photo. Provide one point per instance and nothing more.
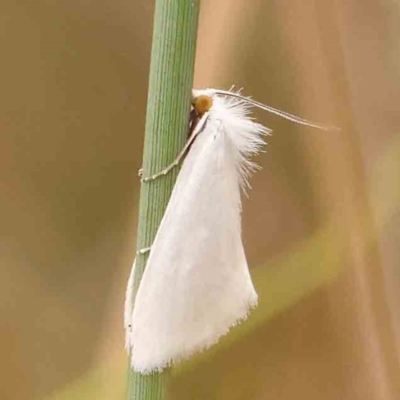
(202, 102)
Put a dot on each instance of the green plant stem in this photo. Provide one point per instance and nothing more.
(170, 84)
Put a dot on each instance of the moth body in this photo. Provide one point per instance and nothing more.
(196, 284)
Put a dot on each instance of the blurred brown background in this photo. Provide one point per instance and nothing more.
(321, 228)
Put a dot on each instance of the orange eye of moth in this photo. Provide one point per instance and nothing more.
(202, 104)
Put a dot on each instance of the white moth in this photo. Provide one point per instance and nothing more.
(196, 284)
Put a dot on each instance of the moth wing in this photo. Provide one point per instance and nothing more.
(128, 309)
(196, 283)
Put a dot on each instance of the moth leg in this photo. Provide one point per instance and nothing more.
(198, 128)
(143, 251)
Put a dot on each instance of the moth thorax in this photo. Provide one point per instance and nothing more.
(202, 103)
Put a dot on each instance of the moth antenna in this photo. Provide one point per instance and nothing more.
(275, 111)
